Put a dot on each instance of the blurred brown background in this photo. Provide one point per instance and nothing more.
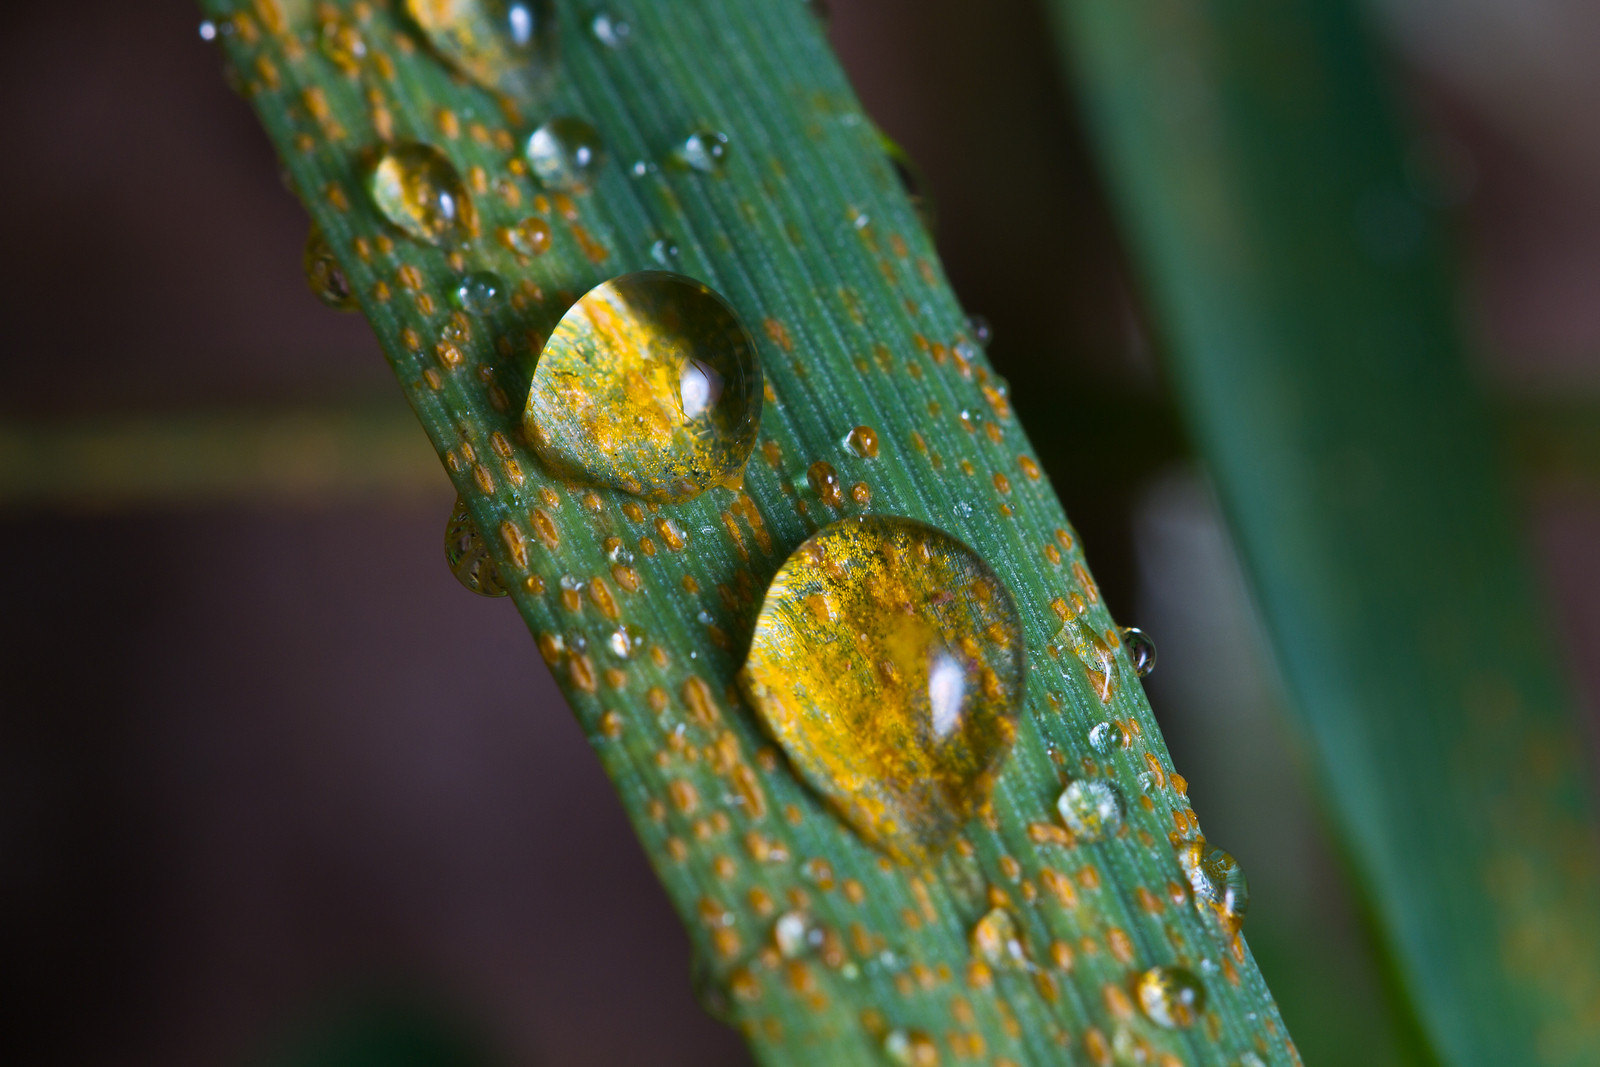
(272, 783)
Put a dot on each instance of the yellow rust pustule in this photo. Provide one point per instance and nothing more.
(888, 660)
(649, 384)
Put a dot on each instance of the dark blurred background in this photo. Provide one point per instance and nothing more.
(275, 789)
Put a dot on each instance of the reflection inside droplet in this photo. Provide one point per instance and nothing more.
(699, 388)
(946, 686)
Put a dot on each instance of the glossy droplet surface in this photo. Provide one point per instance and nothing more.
(910, 1048)
(1170, 997)
(508, 46)
(1107, 737)
(703, 150)
(1091, 808)
(980, 329)
(468, 556)
(479, 292)
(1141, 650)
(323, 274)
(789, 934)
(1217, 880)
(888, 661)
(649, 384)
(610, 29)
(565, 153)
(997, 940)
(1078, 637)
(421, 192)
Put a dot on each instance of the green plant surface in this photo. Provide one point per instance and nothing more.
(1299, 277)
(807, 233)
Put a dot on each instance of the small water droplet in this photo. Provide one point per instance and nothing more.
(565, 153)
(1107, 737)
(1218, 881)
(1091, 808)
(1170, 997)
(642, 167)
(910, 1048)
(419, 190)
(468, 556)
(343, 44)
(911, 180)
(981, 331)
(863, 441)
(1250, 1059)
(649, 384)
(664, 252)
(625, 641)
(529, 238)
(1078, 636)
(505, 45)
(1141, 650)
(609, 29)
(479, 292)
(703, 150)
(323, 274)
(997, 940)
(888, 661)
(208, 30)
(789, 934)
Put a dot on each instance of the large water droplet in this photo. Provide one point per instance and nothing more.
(420, 191)
(1141, 650)
(1091, 808)
(508, 46)
(997, 940)
(1171, 997)
(888, 662)
(1217, 880)
(468, 556)
(910, 1048)
(1107, 737)
(323, 274)
(649, 384)
(565, 153)
(703, 150)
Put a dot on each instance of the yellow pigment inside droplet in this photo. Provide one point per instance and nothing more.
(508, 46)
(468, 556)
(419, 190)
(888, 661)
(649, 384)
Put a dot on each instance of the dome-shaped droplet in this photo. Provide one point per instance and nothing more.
(664, 251)
(1091, 808)
(625, 641)
(1141, 650)
(421, 192)
(1107, 737)
(910, 1048)
(508, 46)
(703, 150)
(997, 940)
(565, 153)
(1170, 997)
(790, 934)
(649, 384)
(888, 662)
(323, 274)
(468, 556)
(980, 329)
(911, 180)
(1217, 880)
(610, 29)
(1077, 636)
(479, 292)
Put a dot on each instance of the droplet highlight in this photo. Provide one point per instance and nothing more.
(888, 661)
(324, 275)
(565, 153)
(649, 384)
(997, 940)
(1091, 808)
(479, 292)
(1218, 881)
(420, 191)
(468, 555)
(1141, 650)
(1170, 997)
(910, 1048)
(1107, 737)
(508, 46)
(704, 150)
(609, 29)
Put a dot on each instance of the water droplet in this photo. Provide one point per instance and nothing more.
(468, 556)
(911, 180)
(1147, 781)
(610, 30)
(888, 662)
(910, 1048)
(1141, 650)
(343, 44)
(1171, 997)
(323, 274)
(480, 292)
(625, 641)
(208, 30)
(789, 933)
(649, 384)
(703, 150)
(1218, 880)
(1077, 635)
(505, 45)
(529, 238)
(996, 939)
(1250, 1059)
(863, 441)
(664, 252)
(1091, 808)
(1107, 737)
(419, 190)
(981, 331)
(565, 153)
